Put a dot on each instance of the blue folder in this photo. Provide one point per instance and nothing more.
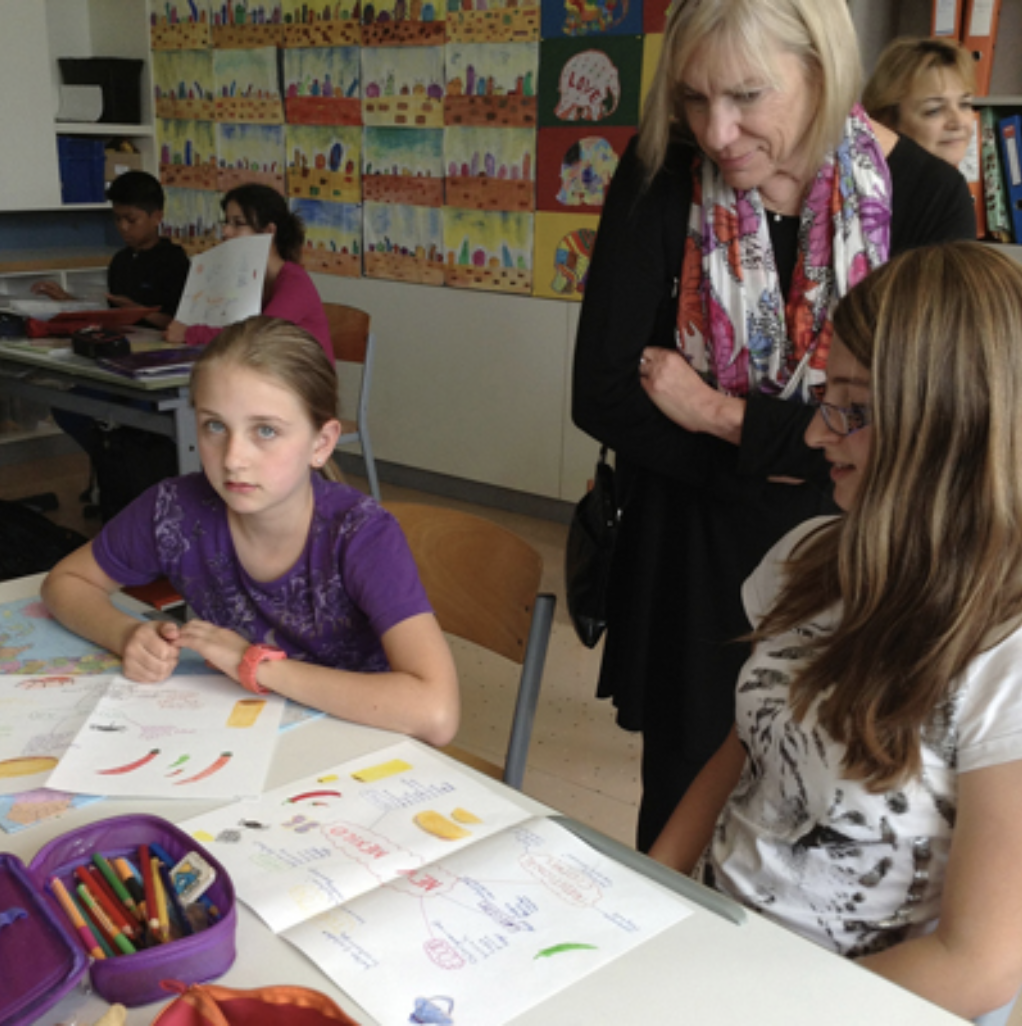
(1010, 132)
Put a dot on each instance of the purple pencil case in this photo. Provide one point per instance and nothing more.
(42, 958)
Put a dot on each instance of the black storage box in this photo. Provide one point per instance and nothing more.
(99, 342)
(120, 79)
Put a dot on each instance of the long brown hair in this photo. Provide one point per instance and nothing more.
(288, 355)
(927, 563)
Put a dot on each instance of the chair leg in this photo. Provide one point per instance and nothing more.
(367, 456)
(528, 690)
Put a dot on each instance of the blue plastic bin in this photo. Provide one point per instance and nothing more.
(82, 163)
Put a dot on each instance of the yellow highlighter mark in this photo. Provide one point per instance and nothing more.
(440, 826)
(384, 769)
(464, 816)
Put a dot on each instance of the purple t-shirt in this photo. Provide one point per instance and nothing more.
(354, 580)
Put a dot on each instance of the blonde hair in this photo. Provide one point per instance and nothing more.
(927, 564)
(285, 353)
(819, 32)
(901, 64)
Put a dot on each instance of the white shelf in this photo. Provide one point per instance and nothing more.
(997, 101)
(101, 128)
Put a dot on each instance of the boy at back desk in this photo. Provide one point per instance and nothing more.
(150, 270)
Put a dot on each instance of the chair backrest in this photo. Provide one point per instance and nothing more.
(483, 583)
(349, 332)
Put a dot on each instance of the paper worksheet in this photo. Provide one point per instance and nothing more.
(225, 283)
(195, 736)
(422, 892)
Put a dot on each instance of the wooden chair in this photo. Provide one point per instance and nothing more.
(483, 583)
(354, 342)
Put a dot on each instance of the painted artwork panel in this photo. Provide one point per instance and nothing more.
(404, 165)
(323, 86)
(490, 168)
(491, 85)
(240, 24)
(590, 80)
(248, 86)
(588, 18)
(191, 218)
(188, 153)
(564, 248)
(575, 166)
(184, 84)
(493, 21)
(403, 243)
(250, 153)
(324, 163)
(322, 23)
(179, 24)
(488, 250)
(333, 237)
(403, 22)
(403, 86)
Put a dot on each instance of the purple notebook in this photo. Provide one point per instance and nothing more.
(153, 362)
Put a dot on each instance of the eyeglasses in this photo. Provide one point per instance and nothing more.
(846, 420)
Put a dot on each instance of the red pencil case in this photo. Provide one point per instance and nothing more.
(41, 956)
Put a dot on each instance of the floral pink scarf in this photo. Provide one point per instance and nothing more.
(733, 323)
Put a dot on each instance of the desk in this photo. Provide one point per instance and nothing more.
(704, 970)
(46, 377)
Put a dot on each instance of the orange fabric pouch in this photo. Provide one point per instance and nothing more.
(212, 1005)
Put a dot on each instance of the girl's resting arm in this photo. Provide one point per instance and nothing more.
(417, 696)
(690, 827)
(972, 962)
(77, 592)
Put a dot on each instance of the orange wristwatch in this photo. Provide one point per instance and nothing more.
(250, 662)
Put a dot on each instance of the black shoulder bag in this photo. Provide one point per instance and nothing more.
(590, 552)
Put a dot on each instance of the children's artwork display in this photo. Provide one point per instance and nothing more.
(196, 736)
(510, 108)
(225, 284)
(386, 869)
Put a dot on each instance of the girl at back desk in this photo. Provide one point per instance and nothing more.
(288, 291)
(867, 797)
(300, 585)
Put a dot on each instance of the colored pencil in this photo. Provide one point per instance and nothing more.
(107, 900)
(132, 881)
(116, 884)
(85, 934)
(152, 912)
(105, 942)
(100, 916)
(161, 900)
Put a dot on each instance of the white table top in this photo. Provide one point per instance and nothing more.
(704, 970)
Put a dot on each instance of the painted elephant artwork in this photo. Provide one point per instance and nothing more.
(571, 262)
(590, 87)
(586, 171)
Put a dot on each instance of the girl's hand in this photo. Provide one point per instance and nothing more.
(682, 395)
(151, 652)
(222, 649)
(175, 331)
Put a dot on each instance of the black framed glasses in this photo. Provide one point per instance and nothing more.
(846, 420)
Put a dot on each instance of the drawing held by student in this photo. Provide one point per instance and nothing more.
(299, 585)
(288, 291)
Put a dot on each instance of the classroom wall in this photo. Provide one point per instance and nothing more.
(472, 385)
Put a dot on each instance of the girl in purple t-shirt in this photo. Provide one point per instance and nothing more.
(299, 585)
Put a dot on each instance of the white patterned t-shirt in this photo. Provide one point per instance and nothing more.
(817, 852)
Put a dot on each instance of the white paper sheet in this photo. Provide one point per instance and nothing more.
(194, 736)
(352, 867)
(225, 283)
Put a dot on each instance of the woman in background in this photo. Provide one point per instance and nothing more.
(923, 88)
(288, 291)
